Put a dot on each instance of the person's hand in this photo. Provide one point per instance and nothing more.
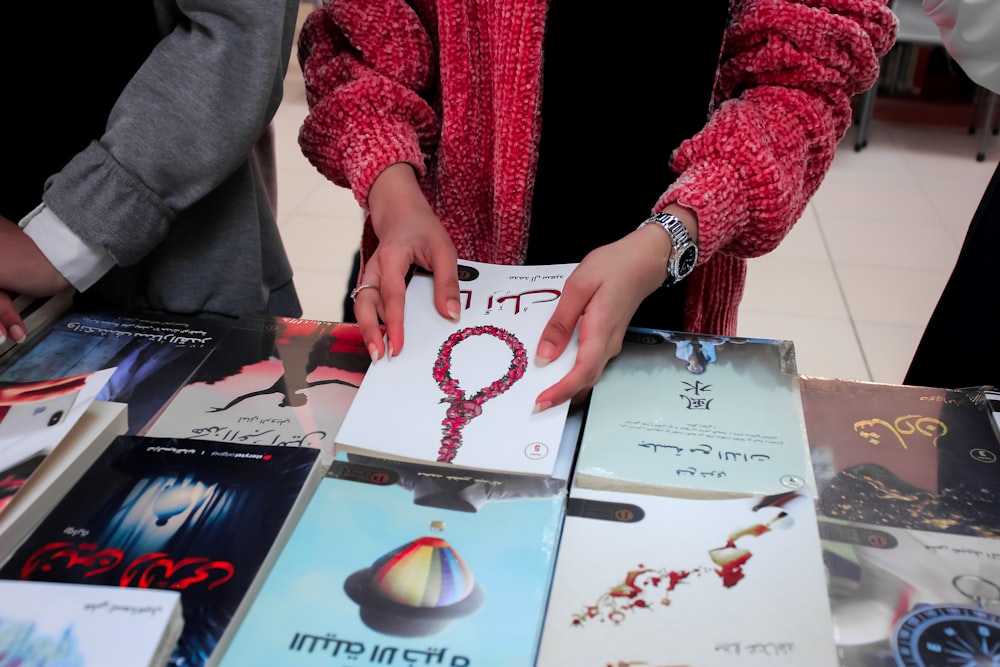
(24, 269)
(409, 233)
(11, 324)
(602, 294)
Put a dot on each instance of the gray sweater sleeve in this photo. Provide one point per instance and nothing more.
(182, 125)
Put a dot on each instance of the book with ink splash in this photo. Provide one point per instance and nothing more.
(153, 355)
(203, 518)
(463, 394)
(44, 624)
(654, 580)
(908, 456)
(695, 415)
(396, 562)
(274, 381)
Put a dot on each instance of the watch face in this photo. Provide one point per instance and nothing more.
(686, 262)
(947, 636)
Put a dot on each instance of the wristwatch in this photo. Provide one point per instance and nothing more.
(685, 253)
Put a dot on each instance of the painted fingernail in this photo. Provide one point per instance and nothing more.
(544, 405)
(18, 333)
(388, 356)
(453, 309)
(3, 337)
(544, 355)
(373, 351)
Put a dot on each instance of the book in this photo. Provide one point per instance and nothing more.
(279, 381)
(154, 355)
(38, 313)
(463, 393)
(396, 562)
(206, 519)
(655, 580)
(694, 415)
(912, 598)
(44, 624)
(39, 476)
(906, 456)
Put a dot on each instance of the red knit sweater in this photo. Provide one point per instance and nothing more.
(453, 88)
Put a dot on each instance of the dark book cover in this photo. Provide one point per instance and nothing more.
(206, 519)
(154, 355)
(906, 456)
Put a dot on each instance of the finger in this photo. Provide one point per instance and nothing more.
(366, 315)
(446, 290)
(392, 292)
(559, 329)
(590, 359)
(11, 323)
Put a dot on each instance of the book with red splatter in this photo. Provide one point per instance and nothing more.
(699, 416)
(463, 393)
(905, 456)
(656, 580)
(276, 381)
(400, 563)
(203, 518)
(912, 598)
(153, 355)
(44, 624)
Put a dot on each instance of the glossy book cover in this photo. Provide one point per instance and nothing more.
(153, 355)
(906, 456)
(201, 518)
(463, 393)
(396, 563)
(912, 598)
(696, 415)
(282, 381)
(653, 580)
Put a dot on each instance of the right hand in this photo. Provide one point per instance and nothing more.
(409, 233)
(11, 324)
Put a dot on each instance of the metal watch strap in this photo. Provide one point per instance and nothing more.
(679, 238)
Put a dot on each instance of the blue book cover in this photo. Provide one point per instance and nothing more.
(202, 518)
(397, 563)
(695, 415)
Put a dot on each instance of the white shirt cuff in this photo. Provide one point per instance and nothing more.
(81, 263)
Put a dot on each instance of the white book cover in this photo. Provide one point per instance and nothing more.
(656, 581)
(463, 393)
(46, 624)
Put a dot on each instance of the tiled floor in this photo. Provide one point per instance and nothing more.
(852, 285)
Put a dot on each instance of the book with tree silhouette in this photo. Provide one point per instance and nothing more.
(153, 355)
(203, 518)
(908, 456)
(396, 562)
(646, 579)
(463, 393)
(696, 415)
(273, 381)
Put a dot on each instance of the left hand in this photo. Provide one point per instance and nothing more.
(602, 294)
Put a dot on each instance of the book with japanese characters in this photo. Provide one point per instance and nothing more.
(463, 393)
(905, 597)
(693, 415)
(654, 580)
(907, 456)
(403, 563)
(153, 354)
(203, 518)
(45, 624)
(277, 381)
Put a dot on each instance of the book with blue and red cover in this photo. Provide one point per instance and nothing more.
(206, 519)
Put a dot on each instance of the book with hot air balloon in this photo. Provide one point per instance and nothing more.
(463, 394)
(403, 563)
(203, 518)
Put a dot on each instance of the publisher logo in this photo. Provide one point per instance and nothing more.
(466, 273)
(536, 451)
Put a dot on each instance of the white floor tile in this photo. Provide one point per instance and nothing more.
(866, 239)
(888, 349)
(319, 243)
(889, 295)
(793, 286)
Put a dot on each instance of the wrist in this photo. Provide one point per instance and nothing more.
(393, 193)
(681, 251)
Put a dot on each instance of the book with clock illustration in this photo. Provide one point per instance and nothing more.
(694, 415)
(912, 598)
(907, 456)
(463, 393)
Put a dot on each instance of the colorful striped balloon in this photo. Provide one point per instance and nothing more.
(426, 572)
